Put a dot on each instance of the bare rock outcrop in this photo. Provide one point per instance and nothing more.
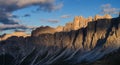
(106, 16)
(76, 23)
(59, 28)
(68, 27)
(43, 30)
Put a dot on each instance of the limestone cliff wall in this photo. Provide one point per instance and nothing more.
(101, 32)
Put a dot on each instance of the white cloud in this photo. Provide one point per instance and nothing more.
(108, 9)
(65, 16)
(59, 6)
(53, 20)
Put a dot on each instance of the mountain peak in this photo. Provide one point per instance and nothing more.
(43, 30)
(107, 16)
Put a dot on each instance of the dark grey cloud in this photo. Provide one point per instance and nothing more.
(108, 9)
(50, 20)
(15, 16)
(27, 15)
(5, 18)
(9, 6)
(15, 26)
(12, 5)
(19, 30)
(8, 21)
(50, 7)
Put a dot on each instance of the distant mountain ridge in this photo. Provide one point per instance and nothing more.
(78, 22)
(18, 34)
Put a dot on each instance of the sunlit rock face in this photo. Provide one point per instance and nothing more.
(43, 30)
(67, 47)
(59, 28)
(68, 27)
(106, 16)
(103, 31)
(78, 23)
(18, 34)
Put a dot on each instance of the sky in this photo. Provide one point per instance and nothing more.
(26, 15)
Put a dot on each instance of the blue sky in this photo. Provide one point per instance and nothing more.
(68, 8)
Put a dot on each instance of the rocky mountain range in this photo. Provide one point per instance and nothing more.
(78, 23)
(83, 41)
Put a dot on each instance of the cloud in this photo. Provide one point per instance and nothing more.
(49, 8)
(65, 16)
(53, 20)
(9, 6)
(15, 26)
(12, 5)
(50, 20)
(27, 15)
(5, 18)
(18, 30)
(59, 6)
(8, 21)
(108, 9)
(15, 16)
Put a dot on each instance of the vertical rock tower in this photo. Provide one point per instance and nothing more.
(76, 23)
